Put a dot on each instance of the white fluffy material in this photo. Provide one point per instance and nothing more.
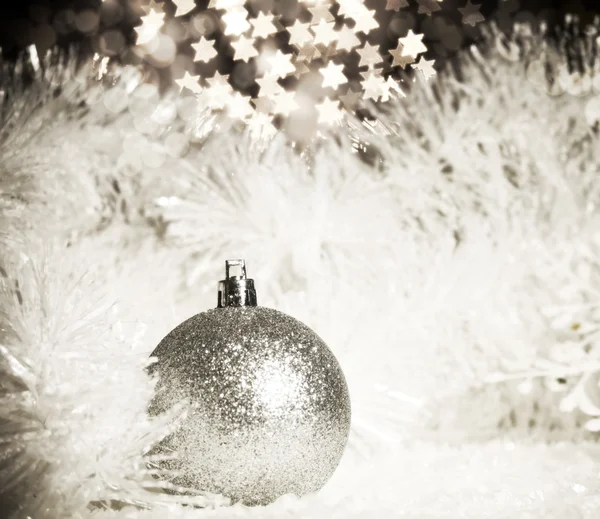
(448, 257)
(498, 480)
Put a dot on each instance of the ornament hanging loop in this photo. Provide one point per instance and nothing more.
(236, 290)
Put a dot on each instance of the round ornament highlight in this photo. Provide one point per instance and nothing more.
(270, 410)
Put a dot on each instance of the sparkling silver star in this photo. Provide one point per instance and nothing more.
(369, 55)
(396, 5)
(366, 22)
(373, 86)
(235, 21)
(190, 82)
(426, 68)
(219, 90)
(263, 25)
(412, 44)
(299, 33)
(324, 32)
(333, 75)
(183, 6)
(351, 9)
(205, 50)
(329, 111)
(428, 6)
(151, 24)
(244, 49)
(320, 13)
(281, 64)
(470, 14)
(347, 39)
(268, 86)
(399, 58)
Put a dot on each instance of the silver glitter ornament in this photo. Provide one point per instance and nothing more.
(270, 409)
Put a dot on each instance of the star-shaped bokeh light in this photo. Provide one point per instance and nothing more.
(329, 111)
(366, 22)
(281, 64)
(470, 13)
(151, 24)
(190, 82)
(395, 5)
(333, 75)
(321, 12)
(300, 33)
(428, 6)
(244, 49)
(288, 64)
(263, 26)
(369, 55)
(399, 59)
(412, 44)
(426, 68)
(324, 32)
(236, 21)
(205, 50)
(184, 7)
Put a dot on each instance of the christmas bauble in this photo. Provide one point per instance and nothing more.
(270, 410)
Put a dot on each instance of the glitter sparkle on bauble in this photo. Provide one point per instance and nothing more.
(270, 409)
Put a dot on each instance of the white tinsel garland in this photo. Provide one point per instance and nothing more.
(450, 263)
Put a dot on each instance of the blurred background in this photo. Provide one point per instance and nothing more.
(107, 27)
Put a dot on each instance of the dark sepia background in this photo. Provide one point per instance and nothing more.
(49, 22)
(91, 26)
